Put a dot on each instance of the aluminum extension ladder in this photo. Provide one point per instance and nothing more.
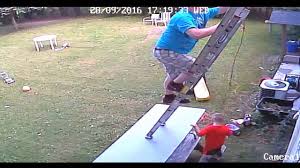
(229, 25)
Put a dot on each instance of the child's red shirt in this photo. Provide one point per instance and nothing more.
(214, 136)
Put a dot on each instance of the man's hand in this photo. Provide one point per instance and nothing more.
(201, 33)
(214, 27)
(223, 10)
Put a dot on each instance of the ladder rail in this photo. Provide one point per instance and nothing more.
(207, 57)
(207, 61)
(215, 45)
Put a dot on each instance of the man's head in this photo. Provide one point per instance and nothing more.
(218, 118)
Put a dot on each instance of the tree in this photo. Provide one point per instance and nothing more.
(14, 12)
(77, 11)
(70, 11)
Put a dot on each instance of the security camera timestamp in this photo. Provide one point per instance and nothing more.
(142, 10)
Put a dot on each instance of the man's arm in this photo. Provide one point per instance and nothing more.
(205, 32)
(201, 33)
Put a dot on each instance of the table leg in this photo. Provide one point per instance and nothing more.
(55, 42)
(51, 43)
(41, 44)
(36, 46)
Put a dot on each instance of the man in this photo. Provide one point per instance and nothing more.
(181, 35)
(215, 135)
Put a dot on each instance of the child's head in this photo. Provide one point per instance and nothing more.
(218, 118)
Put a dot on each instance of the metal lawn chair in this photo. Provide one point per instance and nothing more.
(151, 19)
(165, 18)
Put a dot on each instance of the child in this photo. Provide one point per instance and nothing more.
(215, 135)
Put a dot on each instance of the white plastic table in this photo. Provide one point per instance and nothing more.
(40, 39)
(168, 144)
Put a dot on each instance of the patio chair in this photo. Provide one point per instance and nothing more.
(151, 19)
(165, 18)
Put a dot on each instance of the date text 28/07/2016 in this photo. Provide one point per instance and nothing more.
(141, 10)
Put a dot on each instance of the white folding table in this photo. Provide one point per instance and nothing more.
(38, 41)
(171, 143)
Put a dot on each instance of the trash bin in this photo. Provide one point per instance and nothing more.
(292, 46)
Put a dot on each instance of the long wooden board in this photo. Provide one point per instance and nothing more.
(201, 91)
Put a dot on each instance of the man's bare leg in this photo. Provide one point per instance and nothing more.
(184, 76)
(167, 81)
(177, 83)
(169, 94)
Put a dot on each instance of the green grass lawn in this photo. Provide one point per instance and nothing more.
(85, 96)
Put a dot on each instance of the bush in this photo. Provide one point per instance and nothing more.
(52, 12)
(85, 10)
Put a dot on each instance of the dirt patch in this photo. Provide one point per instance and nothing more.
(270, 64)
(270, 134)
(233, 110)
(247, 102)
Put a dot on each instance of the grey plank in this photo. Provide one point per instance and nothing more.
(133, 147)
(279, 75)
(294, 68)
(184, 150)
(293, 53)
(293, 150)
(291, 59)
(292, 94)
(285, 17)
(286, 68)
